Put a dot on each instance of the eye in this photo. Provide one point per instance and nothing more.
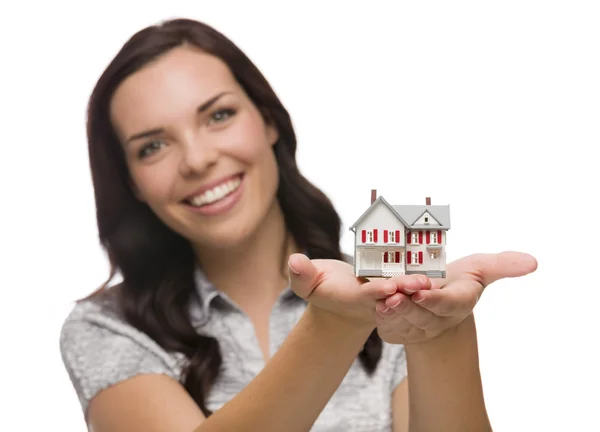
(149, 148)
(221, 115)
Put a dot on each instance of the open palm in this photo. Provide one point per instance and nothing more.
(332, 285)
(423, 308)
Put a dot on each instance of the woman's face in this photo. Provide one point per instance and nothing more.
(199, 152)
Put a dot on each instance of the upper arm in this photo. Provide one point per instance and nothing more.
(152, 403)
(400, 407)
(124, 380)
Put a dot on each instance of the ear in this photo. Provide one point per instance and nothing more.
(270, 127)
(272, 134)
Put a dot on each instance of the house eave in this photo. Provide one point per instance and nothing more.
(429, 227)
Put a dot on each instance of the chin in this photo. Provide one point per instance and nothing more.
(222, 240)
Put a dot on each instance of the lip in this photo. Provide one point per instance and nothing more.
(221, 207)
(211, 185)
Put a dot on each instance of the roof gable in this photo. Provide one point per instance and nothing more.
(415, 214)
(391, 208)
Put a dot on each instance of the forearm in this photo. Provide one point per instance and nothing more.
(445, 389)
(296, 384)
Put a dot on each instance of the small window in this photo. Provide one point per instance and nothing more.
(414, 257)
(392, 236)
(426, 219)
(391, 257)
(433, 255)
(434, 238)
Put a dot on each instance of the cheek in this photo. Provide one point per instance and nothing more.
(154, 183)
(248, 141)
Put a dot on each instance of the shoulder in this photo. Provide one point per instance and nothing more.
(99, 349)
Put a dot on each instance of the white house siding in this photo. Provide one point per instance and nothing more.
(370, 255)
(426, 218)
(381, 218)
(438, 264)
(369, 258)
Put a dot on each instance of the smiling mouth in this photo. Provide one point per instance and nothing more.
(216, 193)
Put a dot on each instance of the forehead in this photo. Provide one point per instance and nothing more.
(170, 87)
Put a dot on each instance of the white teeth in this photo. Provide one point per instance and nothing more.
(216, 193)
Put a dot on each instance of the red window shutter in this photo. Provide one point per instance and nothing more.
(385, 257)
(397, 256)
(375, 235)
(364, 236)
(420, 257)
(409, 237)
(385, 236)
(408, 257)
(428, 237)
(440, 237)
(420, 237)
(397, 236)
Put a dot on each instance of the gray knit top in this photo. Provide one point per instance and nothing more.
(100, 349)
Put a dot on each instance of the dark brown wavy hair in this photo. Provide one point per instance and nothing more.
(157, 264)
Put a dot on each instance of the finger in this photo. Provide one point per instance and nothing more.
(410, 284)
(403, 284)
(392, 323)
(375, 290)
(489, 268)
(304, 276)
(456, 299)
(412, 314)
(387, 315)
(382, 289)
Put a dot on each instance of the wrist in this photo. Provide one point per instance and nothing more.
(450, 339)
(346, 326)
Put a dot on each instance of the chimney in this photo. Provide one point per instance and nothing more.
(373, 195)
(428, 201)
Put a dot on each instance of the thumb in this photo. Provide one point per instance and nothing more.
(506, 264)
(303, 275)
(489, 268)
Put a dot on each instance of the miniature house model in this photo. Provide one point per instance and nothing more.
(393, 240)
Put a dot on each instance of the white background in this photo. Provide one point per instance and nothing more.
(491, 107)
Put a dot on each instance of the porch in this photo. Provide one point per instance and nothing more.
(380, 262)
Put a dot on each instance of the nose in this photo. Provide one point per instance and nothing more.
(197, 155)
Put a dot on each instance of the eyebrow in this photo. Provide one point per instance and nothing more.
(202, 108)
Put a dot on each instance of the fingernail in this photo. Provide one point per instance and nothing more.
(385, 311)
(292, 268)
(419, 300)
(389, 288)
(397, 304)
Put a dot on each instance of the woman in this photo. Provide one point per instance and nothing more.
(199, 206)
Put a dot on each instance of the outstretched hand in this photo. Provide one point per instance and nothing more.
(331, 285)
(423, 308)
